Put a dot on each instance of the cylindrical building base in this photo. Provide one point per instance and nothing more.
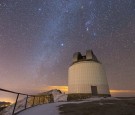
(87, 77)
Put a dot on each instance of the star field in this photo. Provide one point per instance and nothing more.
(38, 39)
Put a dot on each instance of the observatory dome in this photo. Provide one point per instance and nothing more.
(86, 75)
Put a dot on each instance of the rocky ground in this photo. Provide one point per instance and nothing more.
(119, 106)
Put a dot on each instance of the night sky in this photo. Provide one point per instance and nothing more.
(38, 39)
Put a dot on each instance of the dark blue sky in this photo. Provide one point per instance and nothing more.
(39, 37)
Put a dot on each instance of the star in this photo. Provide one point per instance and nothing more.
(62, 44)
(94, 34)
(87, 29)
(39, 9)
(82, 7)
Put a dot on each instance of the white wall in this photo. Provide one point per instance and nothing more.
(84, 74)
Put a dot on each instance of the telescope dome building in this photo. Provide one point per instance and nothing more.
(86, 75)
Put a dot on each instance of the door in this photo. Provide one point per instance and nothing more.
(94, 90)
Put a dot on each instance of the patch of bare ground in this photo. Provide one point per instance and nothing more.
(124, 106)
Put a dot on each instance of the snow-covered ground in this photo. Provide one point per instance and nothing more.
(46, 109)
(57, 97)
(52, 108)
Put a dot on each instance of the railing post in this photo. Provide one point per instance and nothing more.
(39, 100)
(44, 100)
(49, 99)
(26, 102)
(15, 104)
(33, 101)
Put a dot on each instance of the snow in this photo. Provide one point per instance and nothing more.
(46, 109)
(57, 95)
(52, 108)
(101, 98)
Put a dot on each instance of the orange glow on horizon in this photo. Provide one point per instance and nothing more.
(65, 89)
(62, 88)
(122, 91)
(6, 100)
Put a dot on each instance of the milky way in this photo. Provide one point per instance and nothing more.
(39, 37)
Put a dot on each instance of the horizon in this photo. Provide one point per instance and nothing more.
(64, 89)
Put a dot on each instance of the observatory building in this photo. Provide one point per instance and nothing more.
(87, 76)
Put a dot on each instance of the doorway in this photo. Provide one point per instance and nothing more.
(94, 90)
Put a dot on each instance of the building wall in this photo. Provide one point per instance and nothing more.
(84, 74)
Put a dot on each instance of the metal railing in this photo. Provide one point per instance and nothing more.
(34, 100)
